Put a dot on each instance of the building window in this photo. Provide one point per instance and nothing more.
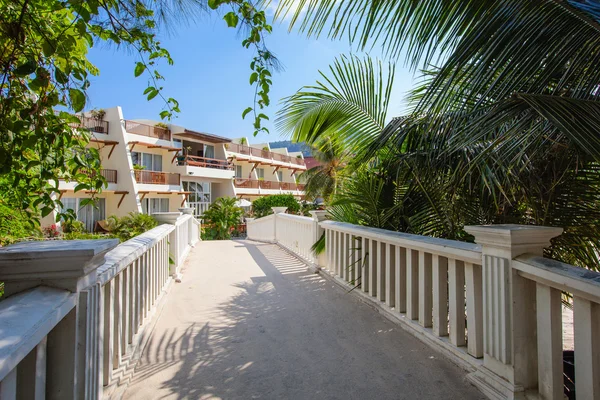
(88, 214)
(200, 191)
(238, 171)
(280, 176)
(209, 151)
(260, 172)
(151, 206)
(151, 162)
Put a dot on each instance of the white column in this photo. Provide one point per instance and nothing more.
(412, 284)
(456, 301)
(440, 295)
(474, 287)
(390, 275)
(400, 275)
(549, 330)
(425, 292)
(587, 348)
(509, 303)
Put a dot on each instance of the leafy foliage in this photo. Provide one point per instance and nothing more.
(262, 207)
(221, 218)
(14, 226)
(73, 226)
(43, 67)
(245, 13)
(131, 225)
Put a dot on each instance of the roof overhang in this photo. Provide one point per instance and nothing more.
(205, 137)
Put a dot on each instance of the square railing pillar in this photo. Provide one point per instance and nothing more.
(70, 265)
(509, 307)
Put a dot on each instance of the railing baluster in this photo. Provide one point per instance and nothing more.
(440, 295)
(412, 284)
(8, 386)
(400, 281)
(108, 345)
(549, 342)
(586, 317)
(473, 283)
(390, 275)
(125, 315)
(456, 286)
(381, 273)
(365, 264)
(118, 296)
(357, 260)
(425, 292)
(373, 267)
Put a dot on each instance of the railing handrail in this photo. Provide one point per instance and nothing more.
(559, 275)
(30, 316)
(463, 251)
(270, 155)
(127, 252)
(149, 130)
(297, 218)
(210, 162)
(139, 173)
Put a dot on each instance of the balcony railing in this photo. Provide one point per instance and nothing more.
(269, 155)
(273, 185)
(205, 162)
(156, 177)
(91, 124)
(247, 183)
(109, 174)
(147, 130)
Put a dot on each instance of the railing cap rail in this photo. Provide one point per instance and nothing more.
(464, 251)
(26, 318)
(66, 264)
(559, 275)
(129, 251)
(510, 235)
(299, 218)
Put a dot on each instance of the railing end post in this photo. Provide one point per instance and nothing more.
(64, 264)
(509, 307)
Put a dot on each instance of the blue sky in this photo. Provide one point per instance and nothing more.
(210, 77)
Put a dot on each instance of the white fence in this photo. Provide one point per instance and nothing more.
(494, 307)
(77, 310)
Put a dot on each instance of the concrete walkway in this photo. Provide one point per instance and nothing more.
(250, 322)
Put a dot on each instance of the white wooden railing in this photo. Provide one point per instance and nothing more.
(494, 307)
(76, 311)
(199, 207)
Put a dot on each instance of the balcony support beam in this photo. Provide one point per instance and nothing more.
(123, 194)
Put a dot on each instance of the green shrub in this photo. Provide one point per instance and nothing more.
(88, 236)
(221, 219)
(130, 225)
(73, 226)
(262, 207)
(14, 226)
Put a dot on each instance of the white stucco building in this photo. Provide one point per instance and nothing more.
(155, 169)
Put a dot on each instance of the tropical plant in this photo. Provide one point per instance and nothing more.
(131, 225)
(72, 226)
(505, 130)
(161, 125)
(98, 115)
(221, 218)
(346, 111)
(243, 141)
(263, 206)
(14, 226)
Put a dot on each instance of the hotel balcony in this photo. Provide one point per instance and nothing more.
(248, 153)
(205, 167)
(157, 178)
(256, 186)
(155, 132)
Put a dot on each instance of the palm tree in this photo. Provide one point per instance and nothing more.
(324, 179)
(512, 66)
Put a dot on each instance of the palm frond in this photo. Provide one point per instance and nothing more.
(348, 107)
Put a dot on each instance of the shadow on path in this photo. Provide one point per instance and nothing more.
(251, 322)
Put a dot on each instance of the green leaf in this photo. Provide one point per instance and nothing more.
(26, 69)
(152, 94)
(214, 4)
(253, 77)
(77, 98)
(232, 19)
(139, 69)
(246, 111)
